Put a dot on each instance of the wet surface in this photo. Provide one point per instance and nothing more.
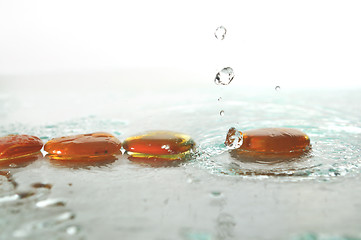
(212, 195)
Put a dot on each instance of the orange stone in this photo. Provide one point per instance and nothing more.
(16, 146)
(84, 146)
(271, 141)
(159, 145)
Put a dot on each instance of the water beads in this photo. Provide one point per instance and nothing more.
(93, 146)
(270, 142)
(158, 146)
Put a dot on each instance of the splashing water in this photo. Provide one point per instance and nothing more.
(224, 77)
(236, 140)
(220, 33)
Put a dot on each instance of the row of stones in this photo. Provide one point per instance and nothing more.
(163, 145)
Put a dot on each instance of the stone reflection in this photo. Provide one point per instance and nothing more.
(21, 161)
(83, 162)
(225, 226)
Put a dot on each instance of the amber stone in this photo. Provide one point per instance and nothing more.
(271, 141)
(164, 145)
(16, 146)
(83, 147)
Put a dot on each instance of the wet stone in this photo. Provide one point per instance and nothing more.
(160, 145)
(270, 142)
(17, 146)
(91, 146)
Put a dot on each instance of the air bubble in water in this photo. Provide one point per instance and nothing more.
(277, 88)
(221, 113)
(224, 77)
(220, 33)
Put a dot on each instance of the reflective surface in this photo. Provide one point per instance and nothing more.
(13, 146)
(212, 195)
(83, 147)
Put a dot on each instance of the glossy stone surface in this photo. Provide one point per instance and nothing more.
(271, 140)
(159, 145)
(83, 146)
(15, 146)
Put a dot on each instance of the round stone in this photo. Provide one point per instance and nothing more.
(93, 145)
(16, 146)
(159, 144)
(271, 140)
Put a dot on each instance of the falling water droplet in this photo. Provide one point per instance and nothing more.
(220, 32)
(277, 88)
(219, 99)
(221, 113)
(224, 77)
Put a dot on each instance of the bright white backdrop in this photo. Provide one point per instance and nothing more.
(280, 42)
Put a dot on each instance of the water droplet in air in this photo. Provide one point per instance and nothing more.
(221, 113)
(224, 77)
(220, 32)
(277, 88)
(219, 99)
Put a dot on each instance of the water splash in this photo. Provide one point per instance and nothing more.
(236, 138)
(220, 33)
(224, 77)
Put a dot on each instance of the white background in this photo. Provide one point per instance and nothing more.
(287, 43)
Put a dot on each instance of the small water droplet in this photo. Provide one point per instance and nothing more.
(219, 99)
(216, 193)
(221, 113)
(50, 203)
(220, 33)
(13, 165)
(224, 77)
(72, 230)
(277, 88)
